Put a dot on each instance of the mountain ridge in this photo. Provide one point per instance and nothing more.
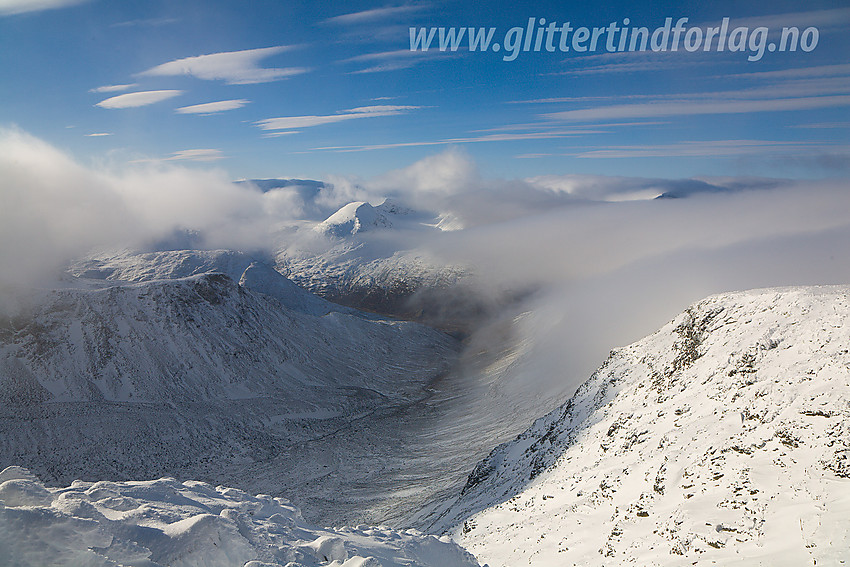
(723, 433)
(120, 380)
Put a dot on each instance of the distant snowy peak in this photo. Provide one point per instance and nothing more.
(361, 216)
(355, 218)
(722, 438)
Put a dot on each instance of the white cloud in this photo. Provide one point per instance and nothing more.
(112, 88)
(693, 107)
(381, 109)
(373, 14)
(146, 22)
(197, 155)
(819, 125)
(206, 154)
(710, 148)
(798, 72)
(9, 7)
(396, 59)
(396, 65)
(280, 133)
(234, 67)
(789, 88)
(98, 134)
(824, 20)
(634, 61)
(543, 134)
(141, 98)
(56, 209)
(292, 122)
(213, 107)
(381, 55)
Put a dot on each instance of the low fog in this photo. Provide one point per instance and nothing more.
(607, 262)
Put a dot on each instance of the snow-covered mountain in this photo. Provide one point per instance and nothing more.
(354, 218)
(723, 438)
(197, 375)
(370, 397)
(370, 257)
(405, 284)
(246, 269)
(164, 522)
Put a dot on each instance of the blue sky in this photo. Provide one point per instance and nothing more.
(295, 89)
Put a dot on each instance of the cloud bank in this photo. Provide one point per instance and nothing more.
(607, 262)
(55, 209)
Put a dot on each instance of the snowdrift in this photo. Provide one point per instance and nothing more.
(166, 523)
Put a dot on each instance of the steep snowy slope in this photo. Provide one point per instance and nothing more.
(195, 376)
(190, 524)
(722, 438)
(408, 284)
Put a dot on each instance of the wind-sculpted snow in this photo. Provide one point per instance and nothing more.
(164, 522)
(723, 437)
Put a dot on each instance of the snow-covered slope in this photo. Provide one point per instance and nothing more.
(406, 284)
(206, 338)
(132, 266)
(249, 271)
(371, 401)
(722, 438)
(196, 376)
(164, 522)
